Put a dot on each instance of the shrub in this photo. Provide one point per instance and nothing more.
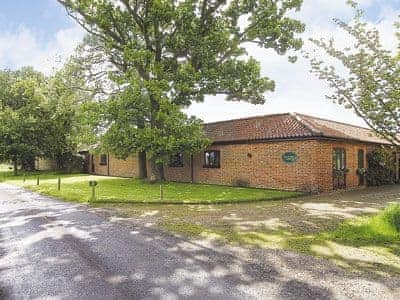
(74, 163)
(380, 168)
(310, 189)
(392, 216)
(241, 182)
(381, 229)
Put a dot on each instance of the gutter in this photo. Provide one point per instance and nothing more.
(299, 138)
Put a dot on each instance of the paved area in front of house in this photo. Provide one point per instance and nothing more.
(55, 249)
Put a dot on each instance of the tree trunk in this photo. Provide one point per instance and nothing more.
(157, 170)
(142, 165)
(15, 168)
(142, 155)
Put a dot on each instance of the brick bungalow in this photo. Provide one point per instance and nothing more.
(282, 151)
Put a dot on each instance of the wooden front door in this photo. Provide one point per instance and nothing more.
(339, 168)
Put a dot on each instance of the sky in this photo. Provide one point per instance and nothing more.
(40, 34)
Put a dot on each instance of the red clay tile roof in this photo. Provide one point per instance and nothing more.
(286, 126)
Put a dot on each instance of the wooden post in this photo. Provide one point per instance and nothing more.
(93, 184)
(161, 193)
(37, 180)
(93, 193)
(24, 178)
(59, 183)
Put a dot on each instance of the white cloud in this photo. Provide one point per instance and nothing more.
(24, 48)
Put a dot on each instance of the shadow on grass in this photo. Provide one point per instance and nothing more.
(367, 244)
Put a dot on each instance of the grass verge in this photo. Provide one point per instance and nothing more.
(74, 187)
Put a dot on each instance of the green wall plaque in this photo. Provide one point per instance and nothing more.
(289, 157)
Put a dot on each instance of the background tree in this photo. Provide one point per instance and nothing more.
(42, 116)
(180, 51)
(21, 132)
(370, 81)
(65, 99)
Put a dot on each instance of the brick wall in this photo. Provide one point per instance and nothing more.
(42, 164)
(260, 164)
(183, 174)
(325, 163)
(124, 168)
(115, 167)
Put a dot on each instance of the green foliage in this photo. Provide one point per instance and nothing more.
(380, 168)
(164, 55)
(391, 216)
(369, 83)
(175, 134)
(67, 126)
(191, 48)
(41, 116)
(22, 135)
(382, 228)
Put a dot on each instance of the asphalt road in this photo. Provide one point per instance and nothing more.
(52, 249)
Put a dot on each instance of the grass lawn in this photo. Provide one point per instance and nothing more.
(5, 168)
(74, 187)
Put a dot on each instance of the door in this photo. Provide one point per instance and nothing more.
(92, 162)
(339, 168)
(361, 167)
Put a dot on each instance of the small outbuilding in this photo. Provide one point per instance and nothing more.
(282, 151)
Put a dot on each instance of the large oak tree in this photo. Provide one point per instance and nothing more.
(177, 52)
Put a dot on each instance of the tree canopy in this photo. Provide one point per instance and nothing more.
(21, 133)
(370, 81)
(40, 116)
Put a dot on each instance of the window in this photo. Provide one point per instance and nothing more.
(176, 160)
(339, 159)
(103, 159)
(211, 159)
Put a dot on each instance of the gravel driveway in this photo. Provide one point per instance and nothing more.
(309, 214)
(55, 249)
